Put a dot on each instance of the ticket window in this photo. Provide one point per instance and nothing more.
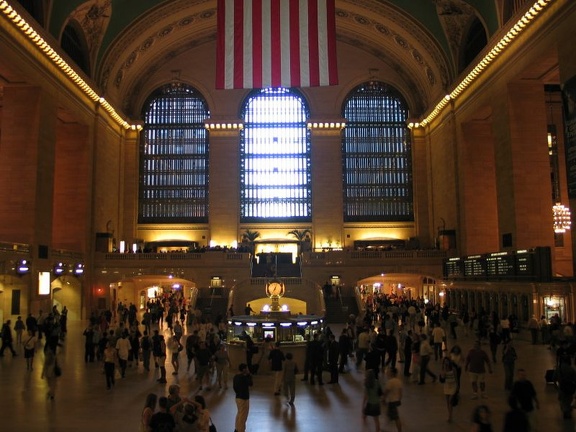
(554, 305)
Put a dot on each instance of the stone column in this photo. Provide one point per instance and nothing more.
(327, 200)
(524, 189)
(27, 152)
(72, 197)
(477, 183)
(224, 189)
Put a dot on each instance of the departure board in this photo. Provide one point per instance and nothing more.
(524, 263)
(528, 264)
(500, 264)
(454, 268)
(475, 266)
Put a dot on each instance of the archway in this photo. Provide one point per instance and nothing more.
(67, 291)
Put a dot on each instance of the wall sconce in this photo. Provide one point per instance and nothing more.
(59, 269)
(78, 269)
(23, 267)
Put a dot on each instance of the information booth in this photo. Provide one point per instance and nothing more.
(292, 331)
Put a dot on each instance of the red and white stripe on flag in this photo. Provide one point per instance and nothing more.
(276, 43)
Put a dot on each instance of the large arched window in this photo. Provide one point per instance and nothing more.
(275, 158)
(377, 156)
(74, 44)
(174, 157)
(474, 43)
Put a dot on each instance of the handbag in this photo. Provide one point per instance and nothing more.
(57, 370)
(455, 399)
(212, 428)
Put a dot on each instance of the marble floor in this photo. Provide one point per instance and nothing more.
(83, 403)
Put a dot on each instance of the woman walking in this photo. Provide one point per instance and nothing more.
(449, 377)
(30, 349)
(202, 412)
(51, 371)
(175, 347)
(372, 396)
(147, 412)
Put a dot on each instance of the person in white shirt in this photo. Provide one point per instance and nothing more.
(393, 397)
(123, 348)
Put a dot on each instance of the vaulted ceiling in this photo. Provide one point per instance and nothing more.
(128, 42)
(129, 45)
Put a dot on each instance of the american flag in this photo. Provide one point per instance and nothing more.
(276, 43)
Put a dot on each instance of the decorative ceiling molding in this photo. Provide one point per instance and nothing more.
(93, 17)
(388, 16)
(131, 101)
(163, 23)
(418, 99)
(456, 17)
(165, 32)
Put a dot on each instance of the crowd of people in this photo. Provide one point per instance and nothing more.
(418, 332)
(52, 327)
(396, 343)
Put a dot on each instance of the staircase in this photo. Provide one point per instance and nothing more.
(212, 302)
(339, 309)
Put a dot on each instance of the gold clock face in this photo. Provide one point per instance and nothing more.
(275, 289)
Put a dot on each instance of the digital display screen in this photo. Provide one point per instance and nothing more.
(533, 264)
(500, 264)
(475, 266)
(453, 268)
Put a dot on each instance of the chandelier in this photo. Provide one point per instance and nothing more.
(562, 220)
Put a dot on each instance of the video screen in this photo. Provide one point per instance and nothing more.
(270, 334)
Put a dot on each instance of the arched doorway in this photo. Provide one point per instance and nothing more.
(67, 291)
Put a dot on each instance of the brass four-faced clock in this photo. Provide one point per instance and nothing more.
(275, 289)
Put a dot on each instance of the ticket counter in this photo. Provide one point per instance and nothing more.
(265, 330)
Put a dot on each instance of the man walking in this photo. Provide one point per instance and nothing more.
(438, 336)
(6, 335)
(477, 362)
(425, 353)
(333, 352)
(524, 392)
(241, 384)
(276, 358)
